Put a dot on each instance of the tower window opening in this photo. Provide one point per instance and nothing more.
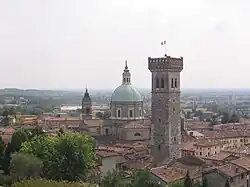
(127, 79)
(172, 83)
(162, 83)
(157, 83)
(130, 113)
(119, 113)
(175, 83)
(124, 79)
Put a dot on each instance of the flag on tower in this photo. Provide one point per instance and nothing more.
(163, 43)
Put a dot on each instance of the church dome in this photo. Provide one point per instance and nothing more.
(126, 93)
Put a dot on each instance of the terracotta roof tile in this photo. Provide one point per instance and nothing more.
(243, 162)
(231, 170)
(171, 174)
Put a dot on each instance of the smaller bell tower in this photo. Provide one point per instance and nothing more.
(86, 106)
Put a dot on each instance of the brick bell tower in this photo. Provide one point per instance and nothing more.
(165, 106)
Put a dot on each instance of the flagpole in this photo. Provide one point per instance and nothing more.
(165, 49)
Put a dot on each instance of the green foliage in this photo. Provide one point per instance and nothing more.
(112, 179)
(66, 157)
(143, 179)
(176, 184)
(204, 181)
(225, 118)
(6, 159)
(187, 181)
(2, 148)
(139, 179)
(227, 184)
(48, 183)
(24, 166)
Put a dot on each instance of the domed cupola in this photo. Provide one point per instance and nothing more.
(126, 101)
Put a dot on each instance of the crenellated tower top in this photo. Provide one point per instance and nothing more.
(170, 64)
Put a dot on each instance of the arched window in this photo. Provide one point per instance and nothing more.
(175, 83)
(130, 113)
(157, 83)
(172, 83)
(119, 113)
(137, 134)
(162, 83)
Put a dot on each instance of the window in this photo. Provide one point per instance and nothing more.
(124, 79)
(172, 83)
(242, 176)
(157, 83)
(162, 83)
(140, 112)
(175, 139)
(215, 152)
(173, 109)
(127, 79)
(159, 120)
(159, 147)
(106, 131)
(118, 113)
(130, 113)
(208, 153)
(175, 83)
(137, 134)
(200, 153)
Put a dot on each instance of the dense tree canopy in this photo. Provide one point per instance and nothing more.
(66, 157)
(48, 183)
(24, 166)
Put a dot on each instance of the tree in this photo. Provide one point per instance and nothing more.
(213, 120)
(204, 181)
(18, 138)
(12, 112)
(48, 183)
(6, 159)
(24, 166)
(176, 184)
(187, 181)
(24, 134)
(227, 184)
(2, 148)
(6, 117)
(111, 179)
(66, 157)
(234, 119)
(142, 179)
(225, 119)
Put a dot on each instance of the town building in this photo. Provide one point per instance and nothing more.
(165, 106)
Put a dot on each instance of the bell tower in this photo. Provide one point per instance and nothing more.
(86, 106)
(165, 106)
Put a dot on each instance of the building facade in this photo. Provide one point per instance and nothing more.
(165, 107)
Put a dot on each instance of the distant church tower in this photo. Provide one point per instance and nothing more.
(86, 106)
(165, 106)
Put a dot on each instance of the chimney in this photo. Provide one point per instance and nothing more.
(237, 170)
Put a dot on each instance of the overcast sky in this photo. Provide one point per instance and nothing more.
(74, 43)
